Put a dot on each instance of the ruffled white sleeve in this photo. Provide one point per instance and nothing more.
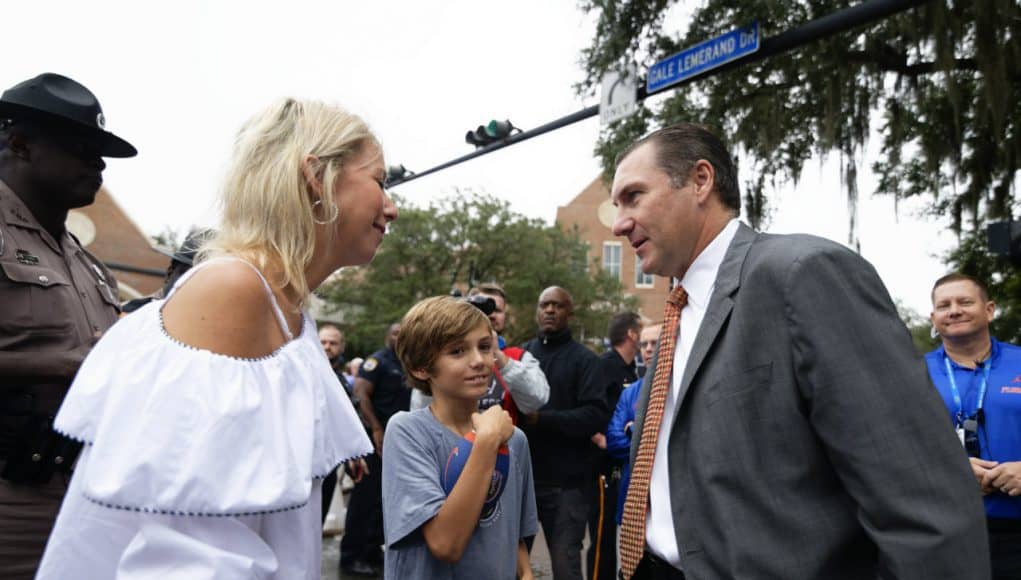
(181, 431)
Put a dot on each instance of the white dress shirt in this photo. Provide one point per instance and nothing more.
(699, 281)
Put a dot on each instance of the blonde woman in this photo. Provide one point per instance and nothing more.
(210, 417)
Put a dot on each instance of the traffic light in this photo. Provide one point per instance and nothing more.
(491, 133)
(1005, 240)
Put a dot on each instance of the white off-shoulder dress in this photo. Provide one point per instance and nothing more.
(198, 465)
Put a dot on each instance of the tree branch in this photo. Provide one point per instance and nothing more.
(893, 62)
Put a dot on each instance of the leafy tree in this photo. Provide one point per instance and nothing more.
(939, 86)
(168, 238)
(944, 80)
(919, 326)
(469, 238)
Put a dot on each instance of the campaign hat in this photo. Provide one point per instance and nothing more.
(190, 247)
(56, 99)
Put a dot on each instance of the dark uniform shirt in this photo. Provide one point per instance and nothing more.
(619, 373)
(54, 296)
(390, 395)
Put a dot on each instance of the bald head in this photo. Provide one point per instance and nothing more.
(554, 310)
(392, 332)
(332, 340)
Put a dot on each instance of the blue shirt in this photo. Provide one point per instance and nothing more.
(1000, 433)
(618, 440)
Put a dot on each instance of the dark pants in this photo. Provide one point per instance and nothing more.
(1005, 548)
(329, 484)
(363, 526)
(653, 568)
(27, 513)
(608, 543)
(563, 513)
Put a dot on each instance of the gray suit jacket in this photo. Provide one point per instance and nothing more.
(808, 441)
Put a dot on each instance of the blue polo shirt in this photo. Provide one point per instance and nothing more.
(1000, 434)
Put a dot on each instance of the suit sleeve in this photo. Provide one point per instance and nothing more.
(591, 413)
(882, 423)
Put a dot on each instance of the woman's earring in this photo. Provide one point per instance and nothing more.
(318, 203)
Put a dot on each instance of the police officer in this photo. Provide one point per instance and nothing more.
(56, 299)
(381, 392)
(180, 262)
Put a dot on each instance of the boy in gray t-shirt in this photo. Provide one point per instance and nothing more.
(476, 528)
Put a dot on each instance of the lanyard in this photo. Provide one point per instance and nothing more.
(957, 394)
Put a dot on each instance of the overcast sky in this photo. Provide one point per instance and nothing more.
(177, 79)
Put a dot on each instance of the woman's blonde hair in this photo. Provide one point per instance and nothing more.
(429, 327)
(268, 212)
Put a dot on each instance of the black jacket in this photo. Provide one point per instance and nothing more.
(562, 453)
(618, 374)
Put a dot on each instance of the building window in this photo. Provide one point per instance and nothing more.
(642, 280)
(611, 258)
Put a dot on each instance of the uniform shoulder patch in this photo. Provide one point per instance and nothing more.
(370, 364)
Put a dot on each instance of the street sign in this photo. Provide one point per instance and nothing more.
(704, 56)
(618, 96)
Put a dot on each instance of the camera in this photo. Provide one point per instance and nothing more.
(484, 303)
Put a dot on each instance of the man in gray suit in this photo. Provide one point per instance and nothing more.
(801, 437)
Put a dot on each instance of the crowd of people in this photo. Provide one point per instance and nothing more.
(780, 424)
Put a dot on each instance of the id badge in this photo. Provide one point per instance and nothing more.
(960, 434)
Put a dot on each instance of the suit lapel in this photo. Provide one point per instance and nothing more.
(728, 279)
(642, 405)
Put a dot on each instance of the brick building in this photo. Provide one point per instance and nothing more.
(593, 214)
(106, 231)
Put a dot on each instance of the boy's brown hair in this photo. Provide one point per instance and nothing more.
(428, 328)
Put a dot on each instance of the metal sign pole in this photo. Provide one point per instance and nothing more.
(840, 21)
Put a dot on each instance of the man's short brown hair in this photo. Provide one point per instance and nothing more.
(428, 328)
(983, 290)
(679, 146)
(489, 288)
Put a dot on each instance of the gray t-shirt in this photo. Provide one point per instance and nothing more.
(415, 451)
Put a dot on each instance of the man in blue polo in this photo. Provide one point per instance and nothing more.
(979, 379)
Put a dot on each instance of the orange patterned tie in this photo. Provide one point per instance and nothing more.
(632, 530)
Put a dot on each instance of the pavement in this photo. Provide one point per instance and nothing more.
(330, 567)
(331, 559)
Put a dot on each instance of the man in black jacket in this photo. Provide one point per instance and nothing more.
(560, 433)
(619, 371)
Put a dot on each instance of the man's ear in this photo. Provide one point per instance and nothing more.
(310, 169)
(703, 176)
